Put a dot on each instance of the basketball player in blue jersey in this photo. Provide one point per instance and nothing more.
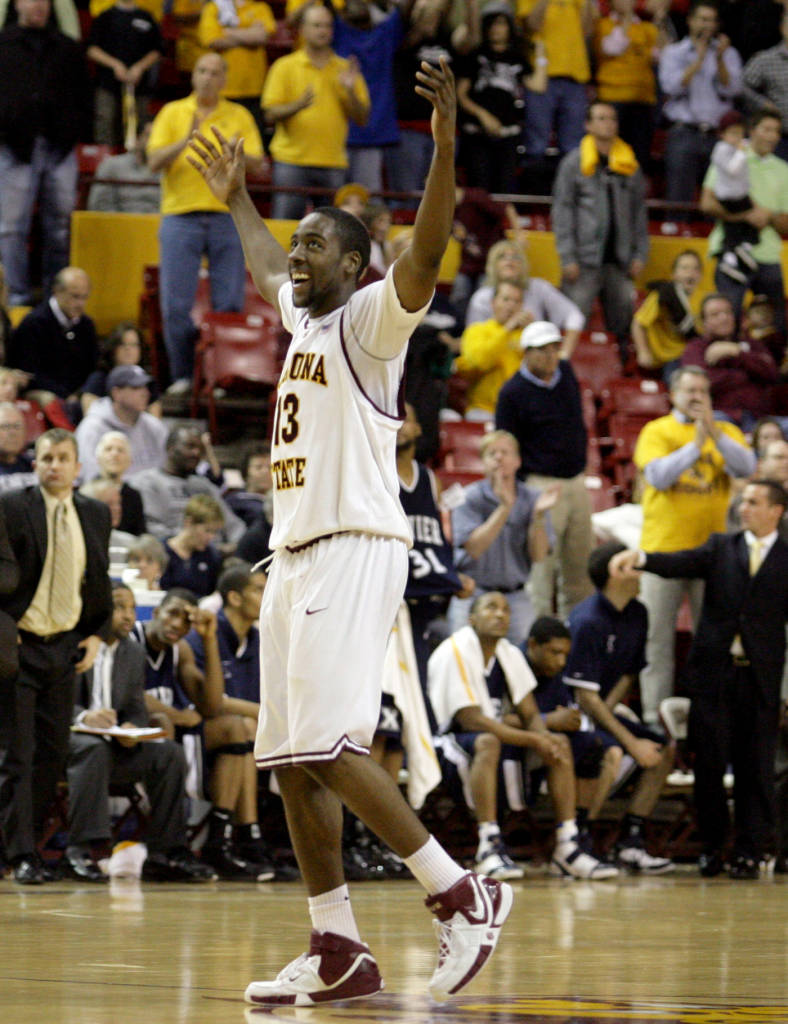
(340, 542)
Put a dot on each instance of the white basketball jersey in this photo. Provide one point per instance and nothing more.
(333, 454)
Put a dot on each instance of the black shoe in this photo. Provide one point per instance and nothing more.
(176, 866)
(710, 864)
(230, 866)
(256, 853)
(781, 864)
(27, 871)
(358, 867)
(81, 867)
(744, 869)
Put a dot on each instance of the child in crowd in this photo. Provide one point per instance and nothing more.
(149, 558)
(377, 220)
(759, 324)
(732, 192)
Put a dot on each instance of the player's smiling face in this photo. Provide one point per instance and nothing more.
(319, 270)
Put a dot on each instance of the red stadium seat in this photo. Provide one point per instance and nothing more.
(596, 361)
(459, 445)
(235, 353)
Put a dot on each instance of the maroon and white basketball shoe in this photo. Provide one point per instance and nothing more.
(335, 968)
(469, 920)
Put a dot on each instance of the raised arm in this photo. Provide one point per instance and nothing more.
(416, 270)
(222, 165)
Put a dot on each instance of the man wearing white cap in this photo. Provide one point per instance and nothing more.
(540, 405)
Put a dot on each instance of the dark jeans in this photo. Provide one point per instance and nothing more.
(687, 155)
(766, 280)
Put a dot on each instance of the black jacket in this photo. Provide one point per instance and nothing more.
(755, 608)
(59, 359)
(25, 518)
(44, 90)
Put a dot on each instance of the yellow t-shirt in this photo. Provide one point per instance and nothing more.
(629, 77)
(663, 339)
(489, 356)
(246, 65)
(183, 189)
(187, 47)
(562, 35)
(315, 136)
(694, 507)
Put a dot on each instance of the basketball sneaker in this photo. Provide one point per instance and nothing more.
(638, 860)
(571, 861)
(494, 861)
(334, 968)
(470, 916)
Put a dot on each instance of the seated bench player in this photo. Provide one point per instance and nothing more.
(608, 648)
(111, 693)
(188, 704)
(479, 684)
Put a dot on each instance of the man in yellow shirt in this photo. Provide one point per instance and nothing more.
(310, 96)
(238, 30)
(194, 223)
(564, 27)
(688, 460)
(490, 351)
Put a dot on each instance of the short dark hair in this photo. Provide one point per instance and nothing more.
(702, 3)
(761, 115)
(57, 435)
(120, 585)
(600, 103)
(598, 560)
(177, 430)
(236, 578)
(776, 492)
(711, 298)
(180, 594)
(680, 371)
(351, 232)
(252, 451)
(687, 252)
(547, 628)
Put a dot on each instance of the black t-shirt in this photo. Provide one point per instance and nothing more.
(407, 61)
(127, 35)
(496, 84)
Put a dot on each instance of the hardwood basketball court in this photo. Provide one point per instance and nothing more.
(670, 950)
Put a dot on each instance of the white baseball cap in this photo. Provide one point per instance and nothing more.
(539, 333)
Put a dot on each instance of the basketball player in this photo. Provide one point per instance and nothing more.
(341, 542)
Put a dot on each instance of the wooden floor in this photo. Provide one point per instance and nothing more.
(672, 950)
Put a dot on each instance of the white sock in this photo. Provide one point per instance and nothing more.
(434, 868)
(488, 830)
(331, 912)
(566, 832)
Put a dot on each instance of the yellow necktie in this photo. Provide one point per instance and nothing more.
(755, 557)
(61, 593)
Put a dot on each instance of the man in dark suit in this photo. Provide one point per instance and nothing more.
(113, 693)
(62, 607)
(734, 671)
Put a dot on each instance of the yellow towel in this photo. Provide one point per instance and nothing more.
(620, 160)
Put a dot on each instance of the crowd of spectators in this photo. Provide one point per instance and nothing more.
(562, 95)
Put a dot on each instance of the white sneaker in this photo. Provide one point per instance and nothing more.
(181, 386)
(470, 917)
(334, 968)
(494, 861)
(635, 858)
(570, 860)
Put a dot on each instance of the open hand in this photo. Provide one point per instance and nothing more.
(221, 163)
(436, 84)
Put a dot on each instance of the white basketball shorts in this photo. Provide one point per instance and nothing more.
(324, 623)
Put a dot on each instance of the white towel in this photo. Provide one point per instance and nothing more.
(401, 680)
(456, 676)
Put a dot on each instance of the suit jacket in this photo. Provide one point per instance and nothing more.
(9, 580)
(128, 685)
(25, 519)
(754, 607)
